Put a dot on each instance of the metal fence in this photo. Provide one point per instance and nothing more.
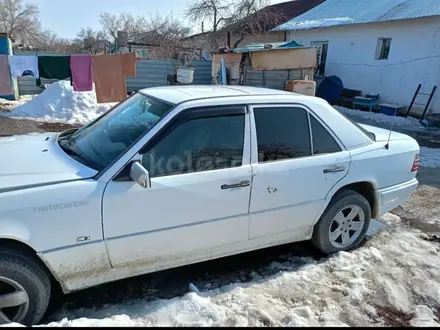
(149, 73)
(275, 79)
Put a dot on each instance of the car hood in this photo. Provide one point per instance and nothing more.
(37, 159)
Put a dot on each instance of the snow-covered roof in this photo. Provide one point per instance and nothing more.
(345, 12)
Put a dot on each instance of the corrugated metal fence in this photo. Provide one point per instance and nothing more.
(275, 79)
(149, 73)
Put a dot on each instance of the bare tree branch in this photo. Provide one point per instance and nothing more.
(161, 34)
(241, 18)
(214, 11)
(20, 21)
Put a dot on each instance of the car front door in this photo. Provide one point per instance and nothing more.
(296, 161)
(198, 201)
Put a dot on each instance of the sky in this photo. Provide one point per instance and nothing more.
(67, 17)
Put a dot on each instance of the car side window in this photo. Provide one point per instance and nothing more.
(282, 133)
(197, 145)
(323, 142)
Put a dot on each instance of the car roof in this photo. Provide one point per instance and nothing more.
(182, 93)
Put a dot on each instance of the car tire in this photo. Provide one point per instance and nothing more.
(336, 221)
(23, 276)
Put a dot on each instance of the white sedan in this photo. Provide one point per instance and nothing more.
(177, 175)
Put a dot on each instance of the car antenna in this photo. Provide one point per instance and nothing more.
(387, 146)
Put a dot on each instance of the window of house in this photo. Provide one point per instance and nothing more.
(282, 133)
(323, 142)
(321, 54)
(383, 48)
(197, 145)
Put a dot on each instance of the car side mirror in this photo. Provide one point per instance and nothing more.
(140, 175)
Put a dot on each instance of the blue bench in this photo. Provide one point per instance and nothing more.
(369, 100)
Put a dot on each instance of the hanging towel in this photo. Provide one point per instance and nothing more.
(54, 67)
(81, 66)
(129, 64)
(5, 77)
(23, 66)
(109, 78)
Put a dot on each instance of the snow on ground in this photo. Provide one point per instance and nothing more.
(429, 157)
(59, 103)
(379, 119)
(423, 208)
(395, 277)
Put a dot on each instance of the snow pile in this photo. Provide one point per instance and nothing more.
(381, 120)
(395, 277)
(59, 103)
(429, 157)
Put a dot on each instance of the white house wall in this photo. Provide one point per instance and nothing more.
(414, 57)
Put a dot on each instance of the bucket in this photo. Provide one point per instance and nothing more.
(184, 75)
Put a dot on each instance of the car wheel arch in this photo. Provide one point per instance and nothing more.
(23, 248)
(368, 189)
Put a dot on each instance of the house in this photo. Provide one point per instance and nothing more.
(98, 46)
(376, 46)
(286, 11)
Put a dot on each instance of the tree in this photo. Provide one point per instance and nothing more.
(87, 38)
(165, 33)
(20, 21)
(214, 11)
(162, 34)
(241, 18)
(112, 23)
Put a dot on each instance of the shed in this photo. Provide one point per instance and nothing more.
(6, 49)
(268, 65)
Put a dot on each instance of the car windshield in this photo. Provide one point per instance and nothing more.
(103, 140)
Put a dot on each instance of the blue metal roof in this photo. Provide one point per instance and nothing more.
(344, 12)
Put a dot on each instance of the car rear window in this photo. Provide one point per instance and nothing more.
(367, 133)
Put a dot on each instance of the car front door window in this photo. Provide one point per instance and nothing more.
(197, 145)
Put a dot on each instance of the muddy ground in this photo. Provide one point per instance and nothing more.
(9, 126)
(422, 211)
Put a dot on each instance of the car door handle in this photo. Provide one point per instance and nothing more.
(334, 169)
(236, 185)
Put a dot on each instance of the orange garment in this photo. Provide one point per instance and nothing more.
(129, 64)
(109, 72)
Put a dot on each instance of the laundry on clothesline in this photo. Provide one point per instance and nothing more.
(108, 72)
(21, 66)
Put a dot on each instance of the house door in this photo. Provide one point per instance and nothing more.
(322, 48)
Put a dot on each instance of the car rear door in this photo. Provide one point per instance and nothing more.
(296, 161)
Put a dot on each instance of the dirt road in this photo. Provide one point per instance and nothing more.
(9, 126)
